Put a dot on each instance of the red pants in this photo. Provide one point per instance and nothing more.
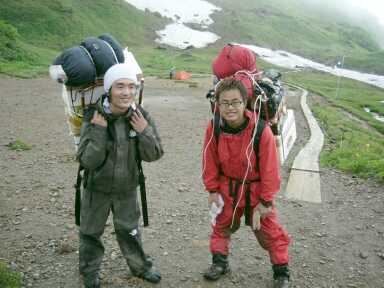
(272, 237)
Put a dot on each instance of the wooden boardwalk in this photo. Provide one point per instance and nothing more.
(304, 179)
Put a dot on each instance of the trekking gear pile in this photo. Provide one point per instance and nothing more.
(81, 69)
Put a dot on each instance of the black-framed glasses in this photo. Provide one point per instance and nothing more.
(234, 104)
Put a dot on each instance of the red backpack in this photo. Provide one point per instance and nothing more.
(240, 63)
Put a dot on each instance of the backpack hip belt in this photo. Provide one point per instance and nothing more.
(233, 191)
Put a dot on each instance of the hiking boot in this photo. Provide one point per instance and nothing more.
(281, 282)
(91, 281)
(151, 276)
(280, 276)
(218, 268)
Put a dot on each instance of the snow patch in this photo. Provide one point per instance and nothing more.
(182, 12)
(181, 36)
(288, 60)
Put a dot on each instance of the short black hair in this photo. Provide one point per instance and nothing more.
(231, 83)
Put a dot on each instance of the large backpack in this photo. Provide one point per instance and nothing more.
(269, 88)
(82, 65)
(240, 63)
(81, 69)
(233, 58)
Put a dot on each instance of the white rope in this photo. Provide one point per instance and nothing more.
(209, 141)
(113, 51)
(248, 153)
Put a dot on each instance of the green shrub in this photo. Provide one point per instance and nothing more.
(9, 278)
(19, 145)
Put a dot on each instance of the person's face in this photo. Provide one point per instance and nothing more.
(232, 107)
(123, 92)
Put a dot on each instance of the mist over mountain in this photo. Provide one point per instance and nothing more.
(345, 10)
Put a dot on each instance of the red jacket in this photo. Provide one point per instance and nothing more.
(227, 159)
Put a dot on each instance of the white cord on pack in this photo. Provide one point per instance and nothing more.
(112, 50)
(248, 153)
(252, 76)
(209, 141)
(213, 132)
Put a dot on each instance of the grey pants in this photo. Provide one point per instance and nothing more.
(95, 209)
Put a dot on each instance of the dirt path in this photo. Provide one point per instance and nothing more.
(339, 243)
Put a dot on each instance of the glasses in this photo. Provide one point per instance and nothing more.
(234, 104)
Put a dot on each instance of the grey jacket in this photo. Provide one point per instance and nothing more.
(109, 153)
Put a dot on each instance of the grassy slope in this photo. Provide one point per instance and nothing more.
(46, 27)
(352, 95)
(350, 146)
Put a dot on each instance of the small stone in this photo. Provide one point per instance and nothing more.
(52, 245)
(363, 255)
(114, 255)
(13, 266)
(69, 226)
(65, 248)
(381, 255)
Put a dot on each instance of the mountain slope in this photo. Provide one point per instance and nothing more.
(32, 33)
(41, 29)
(321, 33)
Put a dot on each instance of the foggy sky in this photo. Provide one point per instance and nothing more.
(367, 14)
(375, 7)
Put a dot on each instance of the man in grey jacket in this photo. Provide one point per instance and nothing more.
(111, 137)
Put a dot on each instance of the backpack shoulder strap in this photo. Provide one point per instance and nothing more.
(79, 179)
(141, 109)
(256, 142)
(88, 112)
(143, 193)
(216, 126)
